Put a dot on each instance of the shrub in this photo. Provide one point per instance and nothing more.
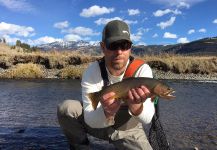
(29, 70)
(72, 72)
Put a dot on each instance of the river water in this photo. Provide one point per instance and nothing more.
(28, 114)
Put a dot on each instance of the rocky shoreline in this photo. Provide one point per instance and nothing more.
(190, 76)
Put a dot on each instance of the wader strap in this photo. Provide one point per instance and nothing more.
(133, 67)
(104, 73)
(123, 119)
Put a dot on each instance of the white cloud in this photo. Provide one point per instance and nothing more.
(155, 35)
(39, 41)
(82, 31)
(191, 31)
(144, 19)
(202, 30)
(183, 40)
(130, 22)
(61, 25)
(141, 31)
(103, 21)
(215, 21)
(160, 13)
(72, 37)
(177, 12)
(133, 12)
(10, 40)
(177, 3)
(12, 29)
(135, 37)
(43, 40)
(141, 43)
(95, 11)
(17, 5)
(183, 5)
(170, 35)
(166, 24)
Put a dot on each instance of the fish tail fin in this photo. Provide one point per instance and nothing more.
(94, 99)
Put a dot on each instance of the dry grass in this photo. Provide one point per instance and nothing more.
(24, 71)
(51, 59)
(72, 64)
(72, 72)
(186, 64)
(7, 50)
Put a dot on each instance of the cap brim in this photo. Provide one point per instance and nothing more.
(117, 38)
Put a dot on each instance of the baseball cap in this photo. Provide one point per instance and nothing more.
(115, 30)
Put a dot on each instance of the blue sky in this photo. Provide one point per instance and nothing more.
(151, 21)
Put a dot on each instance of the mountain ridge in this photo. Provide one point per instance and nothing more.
(205, 46)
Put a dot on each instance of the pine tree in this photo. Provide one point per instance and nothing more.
(18, 43)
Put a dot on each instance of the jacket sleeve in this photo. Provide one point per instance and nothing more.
(92, 82)
(148, 106)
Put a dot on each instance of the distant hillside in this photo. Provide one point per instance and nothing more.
(206, 46)
(150, 49)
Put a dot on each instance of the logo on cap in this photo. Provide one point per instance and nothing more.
(125, 32)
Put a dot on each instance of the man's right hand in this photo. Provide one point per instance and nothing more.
(109, 104)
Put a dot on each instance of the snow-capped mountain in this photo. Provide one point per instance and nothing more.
(205, 46)
(68, 45)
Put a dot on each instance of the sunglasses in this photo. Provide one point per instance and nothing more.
(123, 45)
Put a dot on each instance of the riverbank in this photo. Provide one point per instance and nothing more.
(16, 64)
(60, 74)
(191, 76)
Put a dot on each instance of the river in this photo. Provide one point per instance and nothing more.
(28, 114)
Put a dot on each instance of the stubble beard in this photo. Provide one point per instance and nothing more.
(118, 65)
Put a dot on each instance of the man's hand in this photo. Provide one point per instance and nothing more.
(109, 104)
(136, 97)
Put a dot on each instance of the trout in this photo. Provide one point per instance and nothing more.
(121, 89)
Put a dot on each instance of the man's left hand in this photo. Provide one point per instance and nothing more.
(136, 97)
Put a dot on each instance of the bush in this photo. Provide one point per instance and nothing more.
(72, 72)
(24, 71)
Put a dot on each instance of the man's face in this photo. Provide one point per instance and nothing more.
(117, 54)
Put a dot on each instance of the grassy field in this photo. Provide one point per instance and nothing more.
(183, 64)
(14, 63)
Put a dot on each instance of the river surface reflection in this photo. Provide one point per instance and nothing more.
(28, 114)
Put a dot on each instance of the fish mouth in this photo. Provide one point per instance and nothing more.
(168, 94)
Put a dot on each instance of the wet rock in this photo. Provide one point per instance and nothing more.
(21, 131)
